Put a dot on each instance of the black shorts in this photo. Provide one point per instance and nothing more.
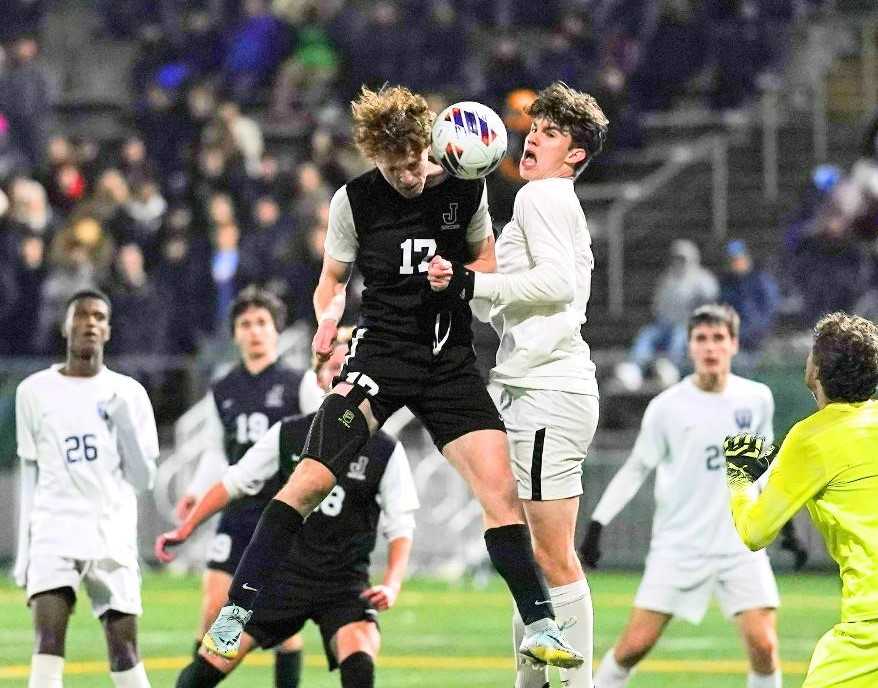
(232, 537)
(445, 391)
(282, 611)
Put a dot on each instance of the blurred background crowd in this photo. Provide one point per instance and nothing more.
(232, 132)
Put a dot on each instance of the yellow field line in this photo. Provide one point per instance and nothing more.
(471, 598)
(655, 666)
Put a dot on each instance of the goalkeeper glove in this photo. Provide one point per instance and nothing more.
(791, 543)
(747, 458)
(589, 550)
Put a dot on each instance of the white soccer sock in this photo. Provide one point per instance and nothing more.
(135, 677)
(526, 675)
(755, 680)
(46, 671)
(610, 673)
(574, 600)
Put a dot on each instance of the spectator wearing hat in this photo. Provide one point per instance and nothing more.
(752, 292)
(683, 286)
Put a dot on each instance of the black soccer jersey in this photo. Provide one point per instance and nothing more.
(396, 238)
(336, 542)
(248, 405)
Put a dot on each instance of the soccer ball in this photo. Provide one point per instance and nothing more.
(469, 140)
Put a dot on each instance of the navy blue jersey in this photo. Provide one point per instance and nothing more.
(248, 405)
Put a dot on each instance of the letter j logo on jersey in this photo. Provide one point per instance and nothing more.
(449, 219)
(743, 418)
(346, 419)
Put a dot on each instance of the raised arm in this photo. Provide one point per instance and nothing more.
(548, 228)
(796, 476)
(246, 477)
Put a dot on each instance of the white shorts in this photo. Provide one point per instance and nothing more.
(549, 435)
(109, 585)
(683, 587)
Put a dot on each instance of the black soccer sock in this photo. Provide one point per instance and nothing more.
(512, 555)
(199, 674)
(357, 671)
(268, 547)
(196, 649)
(287, 669)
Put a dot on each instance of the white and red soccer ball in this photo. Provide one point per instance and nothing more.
(469, 140)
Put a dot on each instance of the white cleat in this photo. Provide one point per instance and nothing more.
(549, 646)
(224, 636)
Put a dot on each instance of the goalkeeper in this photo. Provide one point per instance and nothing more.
(694, 552)
(828, 463)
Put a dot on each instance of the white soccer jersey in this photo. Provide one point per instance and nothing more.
(540, 291)
(83, 507)
(681, 437)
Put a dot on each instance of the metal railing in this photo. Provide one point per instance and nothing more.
(711, 148)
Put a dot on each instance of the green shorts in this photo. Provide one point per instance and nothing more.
(846, 657)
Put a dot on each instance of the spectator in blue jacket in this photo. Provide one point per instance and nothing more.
(750, 291)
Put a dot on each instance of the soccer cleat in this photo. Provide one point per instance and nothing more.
(224, 636)
(549, 646)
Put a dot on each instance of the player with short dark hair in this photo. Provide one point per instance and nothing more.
(829, 464)
(411, 348)
(242, 405)
(694, 552)
(325, 575)
(88, 444)
(544, 378)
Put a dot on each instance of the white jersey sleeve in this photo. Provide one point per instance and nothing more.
(29, 477)
(341, 240)
(213, 462)
(397, 496)
(137, 438)
(25, 420)
(480, 227)
(259, 463)
(548, 229)
(649, 448)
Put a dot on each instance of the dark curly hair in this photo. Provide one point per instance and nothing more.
(256, 297)
(576, 113)
(845, 352)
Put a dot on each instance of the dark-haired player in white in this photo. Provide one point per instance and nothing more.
(324, 577)
(87, 441)
(695, 552)
(544, 379)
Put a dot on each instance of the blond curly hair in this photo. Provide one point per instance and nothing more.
(391, 121)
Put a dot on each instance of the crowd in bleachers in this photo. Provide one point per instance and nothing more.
(194, 202)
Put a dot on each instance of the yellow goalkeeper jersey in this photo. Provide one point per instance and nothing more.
(829, 463)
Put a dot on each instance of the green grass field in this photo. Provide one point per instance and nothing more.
(438, 636)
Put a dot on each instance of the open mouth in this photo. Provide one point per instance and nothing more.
(528, 159)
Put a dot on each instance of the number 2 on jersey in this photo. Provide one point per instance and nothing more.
(79, 448)
(409, 247)
(714, 457)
